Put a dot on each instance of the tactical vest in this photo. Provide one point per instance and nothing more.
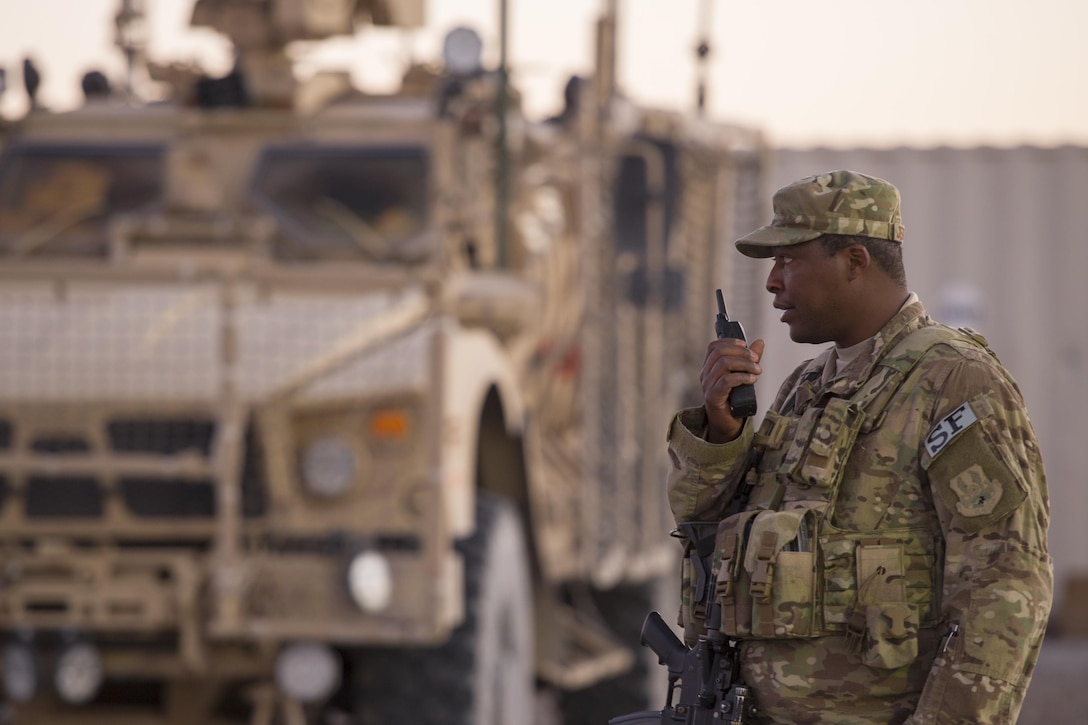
(783, 570)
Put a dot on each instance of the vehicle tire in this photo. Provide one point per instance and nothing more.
(484, 674)
(623, 609)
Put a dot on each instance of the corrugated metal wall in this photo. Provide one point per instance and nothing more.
(996, 239)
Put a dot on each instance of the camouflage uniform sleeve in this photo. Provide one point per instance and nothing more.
(703, 476)
(989, 489)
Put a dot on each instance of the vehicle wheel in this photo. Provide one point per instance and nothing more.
(623, 609)
(484, 674)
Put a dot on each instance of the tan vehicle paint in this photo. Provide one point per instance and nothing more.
(266, 355)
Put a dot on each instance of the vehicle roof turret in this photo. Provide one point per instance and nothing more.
(261, 32)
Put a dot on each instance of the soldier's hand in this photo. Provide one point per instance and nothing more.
(728, 364)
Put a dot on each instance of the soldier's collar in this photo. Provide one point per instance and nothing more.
(910, 317)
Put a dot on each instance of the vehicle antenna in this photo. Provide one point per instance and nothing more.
(702, 54)
(130, 35)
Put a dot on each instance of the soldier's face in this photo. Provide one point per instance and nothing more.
(809, 287)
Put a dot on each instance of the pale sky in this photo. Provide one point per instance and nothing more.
(846, 73)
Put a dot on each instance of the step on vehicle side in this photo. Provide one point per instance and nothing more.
(320, 406)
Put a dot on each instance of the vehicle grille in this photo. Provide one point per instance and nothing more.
(165, 437)
(148, 496)
(63, 496)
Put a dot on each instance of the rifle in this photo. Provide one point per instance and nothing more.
(710, 689)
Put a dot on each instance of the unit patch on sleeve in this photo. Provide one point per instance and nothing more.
(978, 494)
(965, 458)
(949, 427)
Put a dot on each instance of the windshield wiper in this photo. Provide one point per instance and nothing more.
(36, 237)
(366, 237)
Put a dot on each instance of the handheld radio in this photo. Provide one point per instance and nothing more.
(742, 399)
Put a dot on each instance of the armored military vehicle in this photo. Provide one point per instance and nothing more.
(322, 406)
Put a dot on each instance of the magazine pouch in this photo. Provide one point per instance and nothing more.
(766, 578)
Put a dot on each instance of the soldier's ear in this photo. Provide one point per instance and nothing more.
(857, 260)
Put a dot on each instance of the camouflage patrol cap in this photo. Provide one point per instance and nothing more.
(835, 202)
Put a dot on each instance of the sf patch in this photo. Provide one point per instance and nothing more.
(949, 427)
(966, 459)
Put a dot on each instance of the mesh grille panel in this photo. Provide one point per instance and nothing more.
(164, 437)
(152, 497)
(69, 350)
(63, 497)
(95, 341)
(166, 496)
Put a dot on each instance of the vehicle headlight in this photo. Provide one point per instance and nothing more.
(370, 581)
(307, 671)
(329, 466)
(19, 668)
(79, 673)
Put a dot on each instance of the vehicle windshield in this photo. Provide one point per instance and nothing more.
(348, 202)
(56, 201)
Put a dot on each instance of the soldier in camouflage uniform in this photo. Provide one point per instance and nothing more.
(882, 550)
